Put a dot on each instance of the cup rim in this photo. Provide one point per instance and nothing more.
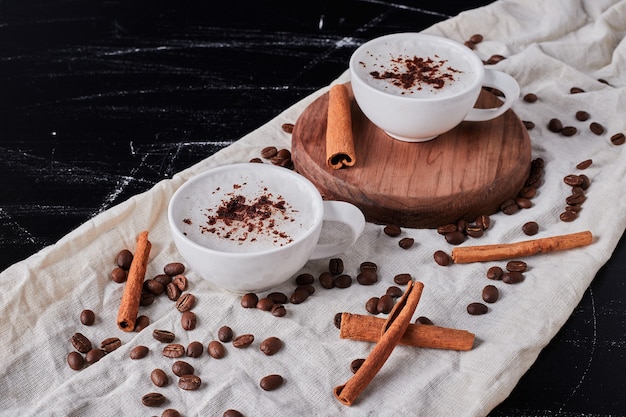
(261, 167)
(438, 38)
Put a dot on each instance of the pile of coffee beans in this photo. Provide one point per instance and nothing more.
(579, 184)
(513, 273)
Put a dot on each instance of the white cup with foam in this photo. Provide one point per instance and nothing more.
(416, 86)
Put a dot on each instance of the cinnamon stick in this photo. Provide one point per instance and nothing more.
(129, 306)
(367, 329)
(339, 139)
(391, 333)
(497, 252)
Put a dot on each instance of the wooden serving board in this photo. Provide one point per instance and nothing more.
(461, 174)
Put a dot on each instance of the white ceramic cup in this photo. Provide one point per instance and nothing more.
(423, 112)
(269, 255)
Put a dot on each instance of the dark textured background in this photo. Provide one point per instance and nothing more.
(101, 99)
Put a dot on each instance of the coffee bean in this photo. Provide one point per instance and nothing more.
(281, 156)
(271, 345)
(308, 288)
(586, 182)
(476, 38)
(424, 320)
(442, 258)
(163, 279)
(87, 317)
(174, 268)
(394, 292)
(173, 350)
(385, 304)
(80, 342)
(195, 349)
(555, 125)
(249, 300)
(367, 278)
(278, 297)
(216, 349)
(573, 180)
(287, 127)
(509, 207)
(473, 230)
(582, 115)
(278, 310)
(326, 280)
(490, 294)
(170, 412)
(153, 399)
(447, 228)
(232, 413)
(110, 344)
(124, 258)
(141, 323)
(335, 266)
(337, 320)
(516, 266)
(454, 238)
(173, 292)
(483, 221)
(94, 355)
(180, 368)
(225, 334)
(368, 266)
(269, 152)
(181, 282)
(402, 279)
(528, 124)
(305, 279)
(189, 382)
(342, 281)
(265, 304)
(494, 59)
(392, 230)
(159, 377)
(513, 277)
(188, 320)
(356, 364)
(119, 275)
(618, 139)
(146, 298)
(530, 228)
(139, 352)
(576, 90)
(163, 336)
(371, 306)
(575, 199)
(271, 382)
(568, 216)
(569, 131)
(476, 309)
(299, 296)
(528, 192)
(530, 98)
(185, 302)
(406, 243)
(243, 341)
(75, 360)
(153, 287)
(495, 273)
(596, 128)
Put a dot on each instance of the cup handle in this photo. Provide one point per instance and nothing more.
(503, 82)
(347, 214)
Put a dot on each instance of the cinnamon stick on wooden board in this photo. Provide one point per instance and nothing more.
(368, 328)
(498, 252)
(129, 306)
(391, 333)
(339, 139)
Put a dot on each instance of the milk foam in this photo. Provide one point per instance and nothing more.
(383, 56)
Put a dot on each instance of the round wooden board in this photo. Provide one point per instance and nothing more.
(461, 174)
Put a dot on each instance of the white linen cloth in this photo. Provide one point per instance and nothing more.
(550, 47)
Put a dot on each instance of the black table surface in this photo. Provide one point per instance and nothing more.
(101, 99)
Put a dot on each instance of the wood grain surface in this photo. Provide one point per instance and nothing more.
(463, 173)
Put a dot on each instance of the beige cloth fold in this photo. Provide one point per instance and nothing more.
(550, 47)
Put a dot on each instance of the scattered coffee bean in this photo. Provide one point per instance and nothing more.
(249, 300)
(495, 273)
(575, 199)
(530, 98)
(271, 345)
(243, 340)
(568, 216)
(164, 336)
(326, 280)
(170, 412)
(174, 268)
(406, 243)
(287, 127)
(94, 355)
(181, 282)
(442, 258)
(494, 59)
(232, 413)
(159, 377)
(216, 349)
(582, 116)
(87, 317)
(188, 320)
(225, 334)
(141, 323)
(119, 275)
(483, 221)
(586, 182)
(356, 364)
(299, 296)
(530, 228)
(371, 305)
(402, 279)
(596, 128)
(265, 304)
(424, 320)
(146, 299)
(173, 350)
(476, 309)
(185, 302)
(476, 38)
(269, 152)
(490, 294)
(278, 310)
(80, 342)
(618, 139)
(368, 265)
(75, 360)
(342, 281)
(513, 277)
(305, 279)
(278, 297)
(335, 266)
(153, 399)
(528, 124)
(555, 125)
(469, 44)
(367, 278)
(385, 304)
(576, 90)
(392, 230)
(474, 230)
(189, 382)
(394, 292)
(110, 344)
(124, 258)
(153, 286)
(308, 288)
(163, 279)
(195, 349)
(173, 292)
(455, 238)
(447, 228)
(523, 203)
(271, 382)
(516, 266)
(573, 180)
(180, 368)
(139, 352)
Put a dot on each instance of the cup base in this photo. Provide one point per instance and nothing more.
(408, 139)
